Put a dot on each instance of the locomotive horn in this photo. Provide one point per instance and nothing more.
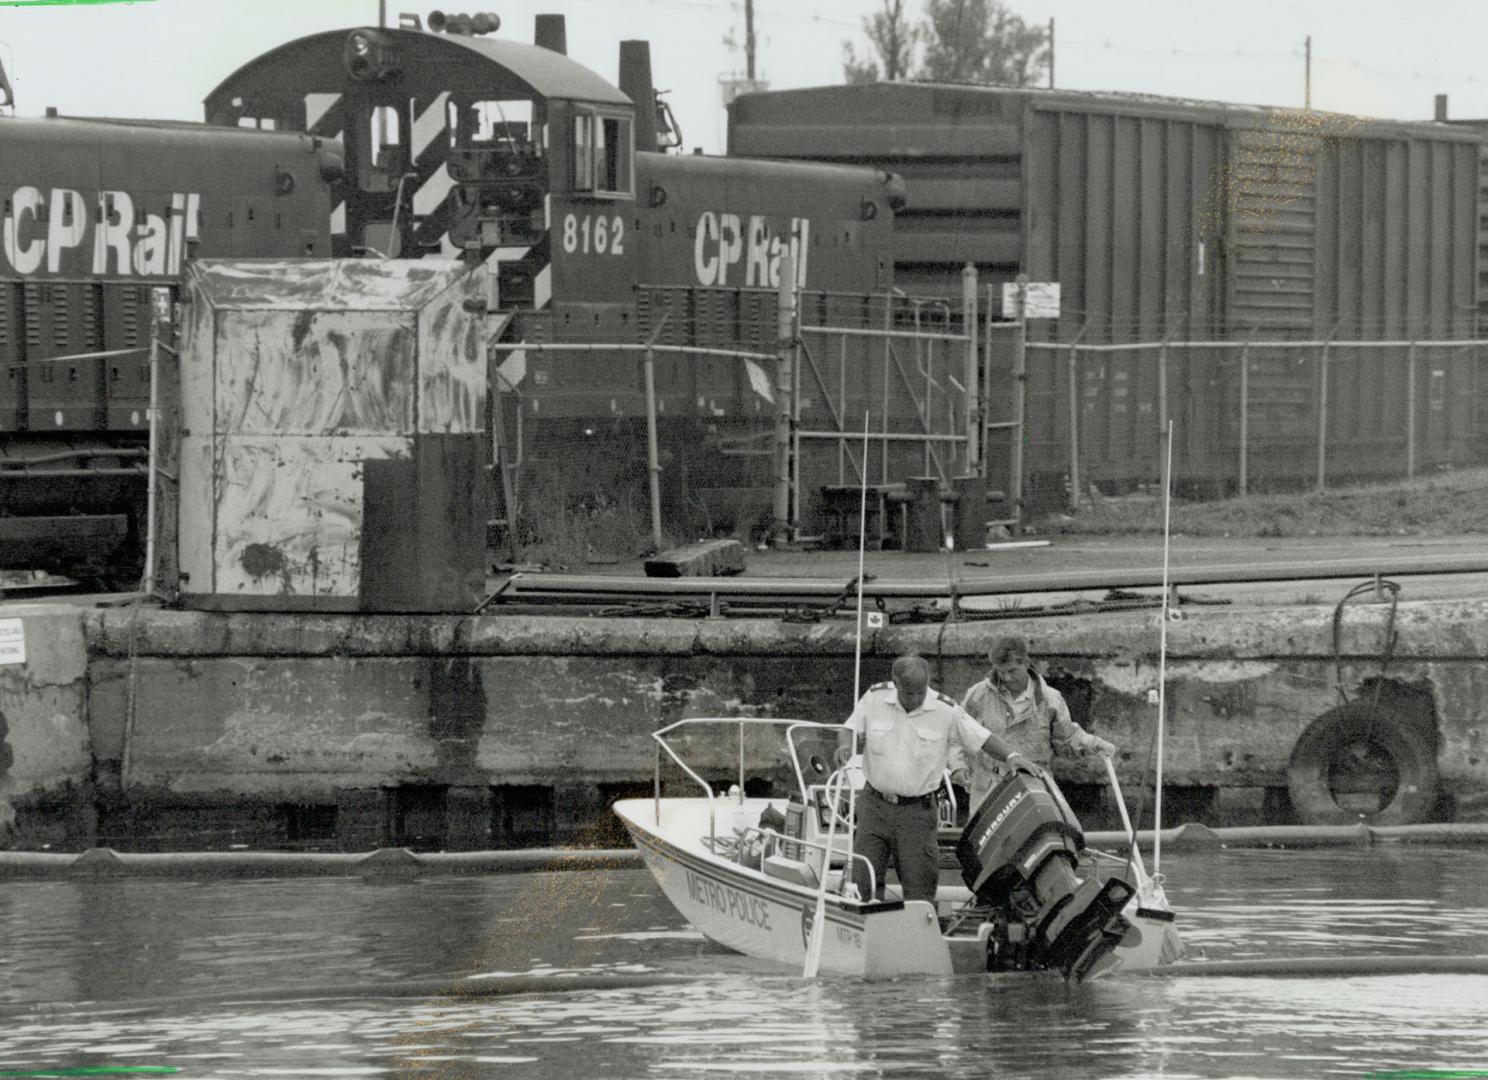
(484, 22)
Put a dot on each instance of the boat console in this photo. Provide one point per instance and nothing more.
(1021, 857)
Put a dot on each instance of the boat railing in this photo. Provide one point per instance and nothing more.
(742, 722)
(774, 841)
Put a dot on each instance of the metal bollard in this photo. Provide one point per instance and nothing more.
(924, 531)
(969, 518)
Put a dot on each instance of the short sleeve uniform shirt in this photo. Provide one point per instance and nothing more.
(906, 753)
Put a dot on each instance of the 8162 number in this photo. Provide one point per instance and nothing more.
(597, 233)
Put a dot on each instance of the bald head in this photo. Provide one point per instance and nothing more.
(911, 681)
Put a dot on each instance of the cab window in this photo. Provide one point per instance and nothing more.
(603, 149)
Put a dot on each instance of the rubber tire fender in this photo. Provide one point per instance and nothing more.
(1415, 764)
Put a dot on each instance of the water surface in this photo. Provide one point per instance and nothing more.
(153, 943)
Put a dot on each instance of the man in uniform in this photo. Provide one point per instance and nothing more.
(909, 734)
(1031, 717)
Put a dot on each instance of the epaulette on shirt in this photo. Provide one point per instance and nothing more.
(883, 685)
(946, 700)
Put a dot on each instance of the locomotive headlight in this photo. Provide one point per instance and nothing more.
(369, 55)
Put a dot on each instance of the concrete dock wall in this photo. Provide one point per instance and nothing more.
(208, 729)
(46, 761)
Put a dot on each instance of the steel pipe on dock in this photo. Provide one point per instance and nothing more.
(524, 586)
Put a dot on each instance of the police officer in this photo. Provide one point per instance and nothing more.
(909, 734)
(1013, 701)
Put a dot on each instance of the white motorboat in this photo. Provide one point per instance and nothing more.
(751, 873)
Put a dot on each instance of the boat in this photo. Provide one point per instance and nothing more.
(776, 878)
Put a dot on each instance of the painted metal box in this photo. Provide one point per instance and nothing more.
(333, 441)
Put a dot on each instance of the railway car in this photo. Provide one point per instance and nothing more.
(97, 212)
(1195, 228)
(516, 155)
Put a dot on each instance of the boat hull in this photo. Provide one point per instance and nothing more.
(761, 916)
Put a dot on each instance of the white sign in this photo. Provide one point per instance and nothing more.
(1042, 300)
(12, 641)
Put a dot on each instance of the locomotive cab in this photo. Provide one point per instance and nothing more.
(454, 142)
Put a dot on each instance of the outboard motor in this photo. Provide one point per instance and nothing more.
(1020, 855)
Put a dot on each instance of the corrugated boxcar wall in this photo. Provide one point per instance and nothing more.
(1335, 230)
(959, 150)
(1123, 212)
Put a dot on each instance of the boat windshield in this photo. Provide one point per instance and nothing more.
(700, 745)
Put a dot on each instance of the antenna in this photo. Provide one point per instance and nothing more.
(1162, 660)
(834, 791)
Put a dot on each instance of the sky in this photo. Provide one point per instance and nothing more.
(159, 58)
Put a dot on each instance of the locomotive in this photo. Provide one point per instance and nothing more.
(97, 212)
(515, 155)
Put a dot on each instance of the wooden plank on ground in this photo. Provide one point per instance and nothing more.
(709, 558)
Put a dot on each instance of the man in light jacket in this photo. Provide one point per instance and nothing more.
(1013, 701)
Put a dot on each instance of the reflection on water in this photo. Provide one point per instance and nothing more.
(146, 940)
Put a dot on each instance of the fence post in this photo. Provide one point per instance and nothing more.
(784, 410)
(984, 376)
(1410, 410)
(1243, 484)
(1020, 407)
(1322, 407)
(795, 423)
(973, 390)
(160, 325)
(653, 455)
(1074, 417)
(1162, 392)
(888, 346)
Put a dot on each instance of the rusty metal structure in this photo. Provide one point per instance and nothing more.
(333, 419)
(97, 212)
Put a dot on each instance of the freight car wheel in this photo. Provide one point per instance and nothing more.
(1362, 763)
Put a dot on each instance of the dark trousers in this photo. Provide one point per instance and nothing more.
(906, 832)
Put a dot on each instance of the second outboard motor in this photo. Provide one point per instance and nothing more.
(1020, 854)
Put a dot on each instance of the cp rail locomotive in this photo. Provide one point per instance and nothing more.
(97, 212)
(516, 155)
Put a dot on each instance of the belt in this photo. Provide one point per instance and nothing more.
(926, 799)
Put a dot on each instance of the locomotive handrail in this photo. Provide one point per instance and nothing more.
(514, 346)
(847, 331)
(105, 355)
(72, 455)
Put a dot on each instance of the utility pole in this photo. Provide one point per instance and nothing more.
(1307, 75)
(749, 40)
(1051, 54)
